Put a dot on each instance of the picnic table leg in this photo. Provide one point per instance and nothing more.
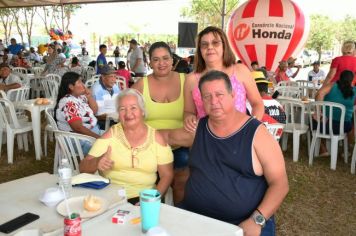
(36, 126)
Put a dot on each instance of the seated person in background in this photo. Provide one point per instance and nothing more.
(111, 65)
(62, 68)
(340, 92)
(76, 107)
(6, 58)
(75, 66)
(124, 73)
(7, 79)
(316, 74)
(34, 55)
(131, 153)
(21, 61)
(105, 91)
(53, 60)
(237, 170)
(274, 112)
(255, 66)
(291, 64)
(281, 74)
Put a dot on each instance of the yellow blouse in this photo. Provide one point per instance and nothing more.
(134, 168)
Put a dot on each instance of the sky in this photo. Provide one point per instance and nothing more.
(163, 16)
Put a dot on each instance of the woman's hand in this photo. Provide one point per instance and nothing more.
(105, 163)
(190, 123)
(87, 93)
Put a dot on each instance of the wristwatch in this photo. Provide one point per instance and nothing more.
(259, 218)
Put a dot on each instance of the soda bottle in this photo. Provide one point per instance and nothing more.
(65, 177)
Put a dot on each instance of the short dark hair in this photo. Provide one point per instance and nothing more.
(254, 63)
(102, 46)
(216, 75)
(262, 87)
(122, 65)
(75, 60)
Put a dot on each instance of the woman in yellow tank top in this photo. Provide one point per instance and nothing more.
(164, 99)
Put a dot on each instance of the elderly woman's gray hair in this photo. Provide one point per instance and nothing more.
(137, 94)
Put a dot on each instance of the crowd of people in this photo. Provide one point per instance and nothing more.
(199, 129)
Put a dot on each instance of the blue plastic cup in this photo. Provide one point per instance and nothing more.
(150, 204)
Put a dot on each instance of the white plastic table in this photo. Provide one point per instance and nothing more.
(20, 196)
(175, 221)
(35, 111)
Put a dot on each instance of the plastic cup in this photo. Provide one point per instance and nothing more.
(150, 205)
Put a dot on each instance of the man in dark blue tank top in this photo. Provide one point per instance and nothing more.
(237, 171)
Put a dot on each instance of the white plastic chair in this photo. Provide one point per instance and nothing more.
(323, 112)
(23, 78)
(295, 125)
(307, 88)
(287, 83)
(37, 70)
(50, 127)
(20, 70)
(276, 130)
(50, 87)
(88, 72)
(54, 77)
(89, 83)
(288, 91)
(19, 94)
(70, 148)
(36, 86)
(121, 82)
(353, 160)
(13, 127)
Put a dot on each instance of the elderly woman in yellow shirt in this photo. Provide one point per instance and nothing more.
(131, 153)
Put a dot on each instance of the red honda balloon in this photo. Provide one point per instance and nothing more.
(268, 31)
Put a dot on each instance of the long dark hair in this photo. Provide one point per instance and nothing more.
(345, 83)
(69, 78)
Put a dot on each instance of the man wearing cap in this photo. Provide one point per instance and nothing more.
(274, 112)
(136, 59)
(291, 64)
(316, 74)
(104, 92)
(7, 79)
(101, 60)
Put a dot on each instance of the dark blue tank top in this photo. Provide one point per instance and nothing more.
(222, 183)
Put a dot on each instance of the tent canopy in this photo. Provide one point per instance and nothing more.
(30, 3)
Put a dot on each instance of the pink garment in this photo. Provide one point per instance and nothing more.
(240, 98)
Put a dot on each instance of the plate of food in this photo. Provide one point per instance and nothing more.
(87, 206)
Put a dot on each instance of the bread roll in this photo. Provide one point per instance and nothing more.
(39, 101)
(92, 203)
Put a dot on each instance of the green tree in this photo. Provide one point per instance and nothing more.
(7, 19)
(347, 29)
(57, 16)
(322, 33)
(23, 18)
(209, 12)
